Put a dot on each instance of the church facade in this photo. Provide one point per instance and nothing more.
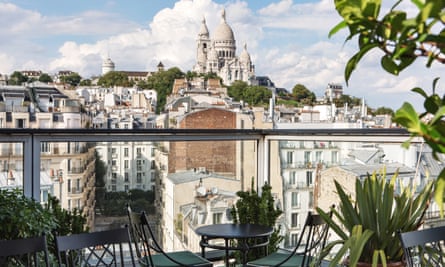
(218, 54)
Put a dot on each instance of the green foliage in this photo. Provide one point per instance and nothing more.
(45, 78)
(17, 78)
(115, 203)
(252, 208)
(85, 82)
(22, 217)
(367, 225)
(114, 78)
(236, 90)
(162, 82)
(73, 79)
(383, 111)
(253, 95)
(303, 95)
(257, 95)
(403, 39)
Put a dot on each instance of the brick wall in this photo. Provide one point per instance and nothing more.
(215, 156)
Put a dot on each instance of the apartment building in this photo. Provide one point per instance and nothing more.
(67, 168)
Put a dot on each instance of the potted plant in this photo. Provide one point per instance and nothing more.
(367, 224)
(258, 209)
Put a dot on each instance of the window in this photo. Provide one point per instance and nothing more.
(45, 147)
(69, 204)
(290, 157)
(126, 152)
(139, 151)
(126, 187)
(311, 200)
(294, 220)
(318, 156)
(126, 164)
(44, 196)
(217, 217)
(68, 185)
(293, 239)
(153, 164)
(295, 199)
(126, 177)
(20, 123)
(113, 162)
(78, 185)
(114, 175)
(113, 150)
(139, 165)
(309, 180)
(139, 177)
(307, 156)
(153, 151)
(292, 177)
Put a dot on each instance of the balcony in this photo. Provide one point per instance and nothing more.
(230, 158)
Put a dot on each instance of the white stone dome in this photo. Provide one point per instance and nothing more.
(224, 32)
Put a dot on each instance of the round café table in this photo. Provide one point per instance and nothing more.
(241, 232)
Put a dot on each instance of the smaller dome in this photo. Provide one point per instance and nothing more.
(245, 57)
(224, 32)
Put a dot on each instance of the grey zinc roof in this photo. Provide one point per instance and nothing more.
(362, 170)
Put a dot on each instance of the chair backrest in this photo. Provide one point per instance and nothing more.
(311, 241)
(141, 241)
(24, 252)
(105, 248)
(424, 247)
(143, 233)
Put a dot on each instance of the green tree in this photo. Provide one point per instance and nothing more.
(403, 39)
(85, 82)
(45, 78)
(302, 94)
(257, 95)
(72, 79)
(236, 90)
(114, 78)
(258, 209)
(383, 111)
(17, 78)
(162, 82)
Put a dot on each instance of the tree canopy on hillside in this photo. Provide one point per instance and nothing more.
(162, 82)
(114, 78)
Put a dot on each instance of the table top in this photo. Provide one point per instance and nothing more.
(230, 230)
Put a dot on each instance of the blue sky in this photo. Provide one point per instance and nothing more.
(287, 40)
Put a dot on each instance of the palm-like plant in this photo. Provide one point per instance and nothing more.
(367, 226)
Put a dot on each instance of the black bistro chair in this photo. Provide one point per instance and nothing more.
(152, 254)
(104, 248)
(424, 247)
(24, 252)
(311, 241)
